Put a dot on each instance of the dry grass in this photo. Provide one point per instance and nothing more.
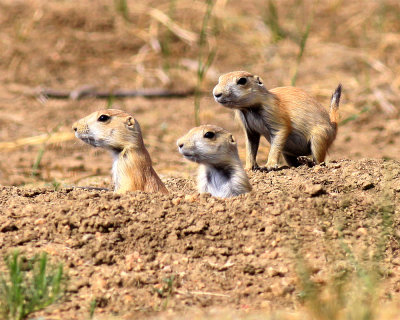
(57, 137)
(67, 44)
(356, 43)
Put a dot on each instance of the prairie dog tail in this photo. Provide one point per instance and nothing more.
(334, 109)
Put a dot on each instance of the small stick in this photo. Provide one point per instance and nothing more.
(203, 293)
(91, 92)
(88, 188)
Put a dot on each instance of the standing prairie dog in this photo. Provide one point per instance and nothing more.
(292, 121)
(120, 133)
(220, 171)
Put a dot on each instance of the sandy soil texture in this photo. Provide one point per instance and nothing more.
(240, 253)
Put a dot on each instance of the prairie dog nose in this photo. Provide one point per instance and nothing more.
(74, 127)
(217, 92)
(180, 144)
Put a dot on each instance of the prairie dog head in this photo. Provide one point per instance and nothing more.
(208, 144)
(239, 89)
(111, 129)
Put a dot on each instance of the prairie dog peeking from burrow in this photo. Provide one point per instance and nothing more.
(215, 150)
(120, 133)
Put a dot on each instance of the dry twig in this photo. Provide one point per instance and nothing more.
(187, 36)
(91, 92)
(202, 293)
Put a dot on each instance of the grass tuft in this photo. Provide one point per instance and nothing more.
(166, 291)
(351, 292)
(353, 289)
(29, 285)
(36, 164)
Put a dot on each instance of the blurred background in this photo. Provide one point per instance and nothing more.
(186, 45)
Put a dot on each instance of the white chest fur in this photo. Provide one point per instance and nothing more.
(221, 182)
(115, 170)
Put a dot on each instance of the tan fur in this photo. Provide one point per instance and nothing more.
(121, 134)
(220, 171)
(289, 118)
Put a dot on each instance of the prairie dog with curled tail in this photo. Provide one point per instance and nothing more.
(120, 133)
(292, 121)
(220, 171)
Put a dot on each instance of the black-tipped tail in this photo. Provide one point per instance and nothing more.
(335, 100)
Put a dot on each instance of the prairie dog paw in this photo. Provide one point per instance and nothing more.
(253, 168)
(271, 167)
(303, 160)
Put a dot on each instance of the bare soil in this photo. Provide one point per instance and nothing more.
(239, 253)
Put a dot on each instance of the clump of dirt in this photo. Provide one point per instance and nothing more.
(124, 250)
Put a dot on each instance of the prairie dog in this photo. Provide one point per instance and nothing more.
(220, 171)
(120, 133)
(292, 121)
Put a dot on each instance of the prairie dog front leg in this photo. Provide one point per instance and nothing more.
(252, 144)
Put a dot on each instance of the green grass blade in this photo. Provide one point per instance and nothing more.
(302, 46)
(29, 285)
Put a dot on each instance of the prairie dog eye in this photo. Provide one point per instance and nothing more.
(209, 135)
(242, 81)
(103, 118)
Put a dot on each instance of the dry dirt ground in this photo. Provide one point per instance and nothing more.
(238, 253)
(243, 253)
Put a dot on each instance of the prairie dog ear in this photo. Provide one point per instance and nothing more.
(259, 80)
(231, 139)
(130, 123)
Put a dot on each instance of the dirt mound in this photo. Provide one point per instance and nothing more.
(124, 250)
